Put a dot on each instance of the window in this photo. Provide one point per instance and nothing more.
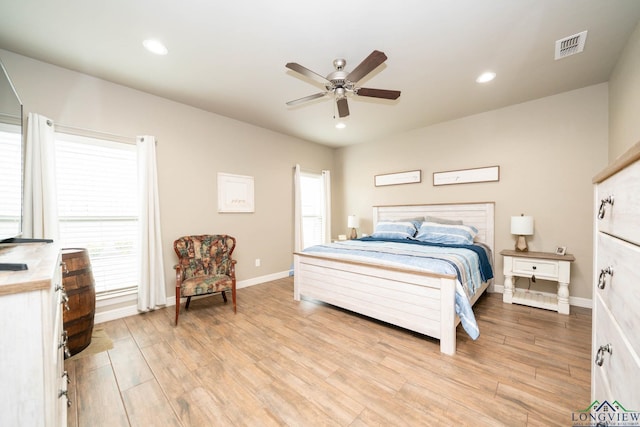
(313, 217)
(11, 179)
(98, 206)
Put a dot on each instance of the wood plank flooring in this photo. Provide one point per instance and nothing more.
(281, 362)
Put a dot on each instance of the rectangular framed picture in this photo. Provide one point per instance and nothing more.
(235, 193)
(409, 177)
(561, 250)
(466, 176)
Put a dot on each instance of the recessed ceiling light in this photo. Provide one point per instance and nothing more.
(340, 125)
(486, 77)
(155, 46)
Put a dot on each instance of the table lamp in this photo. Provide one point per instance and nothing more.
(522, 226)
(353, 223)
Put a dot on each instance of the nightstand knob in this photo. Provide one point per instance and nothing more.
(602, 279)
(534, 267)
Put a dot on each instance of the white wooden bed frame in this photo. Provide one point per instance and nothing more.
(419, 301)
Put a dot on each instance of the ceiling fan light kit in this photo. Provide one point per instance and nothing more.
(342, 84)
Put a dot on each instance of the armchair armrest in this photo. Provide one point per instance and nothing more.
(232, 269)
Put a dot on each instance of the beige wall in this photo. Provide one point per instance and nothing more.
(193, 146)
(624, 98)
(548, 150)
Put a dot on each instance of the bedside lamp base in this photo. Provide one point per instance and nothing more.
(521, 244)
(354, 234)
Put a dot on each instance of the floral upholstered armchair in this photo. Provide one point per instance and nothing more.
(204, 267)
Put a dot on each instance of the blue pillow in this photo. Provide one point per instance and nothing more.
(447, 234)
(394, 230)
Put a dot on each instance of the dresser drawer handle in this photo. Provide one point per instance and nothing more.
(603, 206)
(65, 300)
(64, 342)
(600, 354)
(65, 393)
(602, 280)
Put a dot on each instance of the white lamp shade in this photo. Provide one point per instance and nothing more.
(522, 225)
(353, 221)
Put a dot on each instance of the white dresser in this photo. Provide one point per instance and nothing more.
(32, 340)
(616, 298)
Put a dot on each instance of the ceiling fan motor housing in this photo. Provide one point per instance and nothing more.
(339, 80)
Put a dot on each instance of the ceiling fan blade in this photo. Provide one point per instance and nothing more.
(369, 64)
(307, 73)
(378, 93)
(306, 98)
(343, 107)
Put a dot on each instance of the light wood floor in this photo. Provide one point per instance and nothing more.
(281, 362)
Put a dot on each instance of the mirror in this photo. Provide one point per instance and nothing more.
(11, 155)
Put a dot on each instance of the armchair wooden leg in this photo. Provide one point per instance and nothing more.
(233, 296)
(186, 306)
(224, 296)
(177, 304)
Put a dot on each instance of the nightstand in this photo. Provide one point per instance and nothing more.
(542, 265)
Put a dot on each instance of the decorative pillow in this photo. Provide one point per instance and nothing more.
(417, 221)
(443, 220)
(433, 232)
(394, 230)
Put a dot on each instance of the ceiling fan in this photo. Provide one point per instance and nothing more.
(341, 83)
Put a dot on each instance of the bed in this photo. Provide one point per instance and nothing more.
(408, 297)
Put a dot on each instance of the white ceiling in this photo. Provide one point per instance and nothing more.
(229, 57)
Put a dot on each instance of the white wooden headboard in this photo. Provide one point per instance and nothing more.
(479, 215)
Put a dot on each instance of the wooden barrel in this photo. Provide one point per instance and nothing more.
(79, 285)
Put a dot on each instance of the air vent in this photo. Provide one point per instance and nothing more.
(570, 45)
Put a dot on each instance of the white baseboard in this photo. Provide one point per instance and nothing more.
(116, 313)
(132, 308)
(262, 279)
(575, 301)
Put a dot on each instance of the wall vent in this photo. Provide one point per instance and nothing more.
(570, 45)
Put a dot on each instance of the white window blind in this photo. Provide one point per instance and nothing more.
(312, 198)
(98, 206)
(11, 179)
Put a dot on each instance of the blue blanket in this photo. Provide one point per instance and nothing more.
(469, 263)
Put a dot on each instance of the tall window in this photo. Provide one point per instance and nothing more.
(98, 206)
(11, 179)
(313, 199)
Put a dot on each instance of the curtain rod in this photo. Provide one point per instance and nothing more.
(94, 133)
(302, 170)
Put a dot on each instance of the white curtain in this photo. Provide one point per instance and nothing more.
(298, 238)
(40, 199)
(326, 215)
(151, 288)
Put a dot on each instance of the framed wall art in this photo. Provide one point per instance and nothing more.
(235, 193)
(466, 176)
(397, 178)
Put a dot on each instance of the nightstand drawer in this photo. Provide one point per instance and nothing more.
(540, 268)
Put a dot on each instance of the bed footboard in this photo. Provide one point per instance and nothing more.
(418, 301)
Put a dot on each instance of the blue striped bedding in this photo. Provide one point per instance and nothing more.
(471, 264)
